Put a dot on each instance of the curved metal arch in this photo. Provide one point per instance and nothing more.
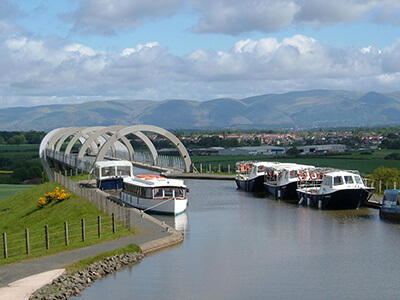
(139, 128)
(60, 142)
(42, 151)
(60, 134)
(79, 135)
(103, 131)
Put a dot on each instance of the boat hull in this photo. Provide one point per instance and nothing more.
(283, 192)
(251, 185)
(158, 206)
(342, 199)
(390, 214)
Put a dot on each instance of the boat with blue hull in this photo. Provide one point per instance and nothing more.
(390, 209)
(338, 190)
(250, 175)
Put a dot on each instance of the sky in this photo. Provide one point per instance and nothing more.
(73, 51)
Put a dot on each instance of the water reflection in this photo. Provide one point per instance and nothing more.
(179, 222)
(245, 246)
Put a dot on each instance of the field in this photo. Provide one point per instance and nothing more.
(365, 163)
(8, 190)
(20, 212)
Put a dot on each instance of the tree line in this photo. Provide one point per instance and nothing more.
(21, 137)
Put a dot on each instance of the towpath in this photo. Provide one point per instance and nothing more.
(151, 235)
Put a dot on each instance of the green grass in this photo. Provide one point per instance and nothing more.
(79, 265)
(366, 164)
(20, 211)
(18, 148)
(81, 177)
(8, 190)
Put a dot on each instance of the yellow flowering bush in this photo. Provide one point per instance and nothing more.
(58, 195)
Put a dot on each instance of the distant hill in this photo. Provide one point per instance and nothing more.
(307, 109)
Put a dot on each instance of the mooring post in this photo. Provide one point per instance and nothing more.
(28, 250)
(66, 233)
(46, 232)
(5, 245)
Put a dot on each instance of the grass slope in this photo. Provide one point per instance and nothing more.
(8, 190)
(20, 211)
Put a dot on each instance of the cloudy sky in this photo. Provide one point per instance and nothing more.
(71, 51)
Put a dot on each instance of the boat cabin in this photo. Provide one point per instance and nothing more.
(109, 174)
(341, 179)
(391, 198)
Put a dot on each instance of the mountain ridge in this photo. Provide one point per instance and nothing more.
(303, 109)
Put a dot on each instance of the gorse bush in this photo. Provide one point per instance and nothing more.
(57, 195)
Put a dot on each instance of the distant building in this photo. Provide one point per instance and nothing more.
(332, 148)
(259, 150)
(205, 151)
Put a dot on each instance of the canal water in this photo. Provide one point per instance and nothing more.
(244, 246)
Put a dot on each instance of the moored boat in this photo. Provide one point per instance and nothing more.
(390, 209)
(281, 180)
(156, 194)
(250, 175)
(109, 174)
(339, 189)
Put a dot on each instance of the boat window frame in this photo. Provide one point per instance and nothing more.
(346, 177)
(341, 181)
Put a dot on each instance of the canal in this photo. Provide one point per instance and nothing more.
(244, 246)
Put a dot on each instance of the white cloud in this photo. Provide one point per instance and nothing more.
(35, 71)
(107, 15)
(236, 16)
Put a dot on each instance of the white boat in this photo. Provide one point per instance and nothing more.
(339, 189)
(109, 174)
(281, 179)
(156, 194)
(250, 175)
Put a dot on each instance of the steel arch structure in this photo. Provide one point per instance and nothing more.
(90, 137)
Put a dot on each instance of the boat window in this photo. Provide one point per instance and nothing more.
(180, 193)
(293, 174)
(348, 179)
(108, 171)
(168, 193)
(327, 181)
(123, 170)
(97, 172)
(337, 180)
(358, 179)
(158, 193)
(148, 193)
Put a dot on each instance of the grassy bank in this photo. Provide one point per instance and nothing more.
(20, 211)
(8, 190)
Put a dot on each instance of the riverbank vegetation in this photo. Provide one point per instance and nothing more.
(20, 212)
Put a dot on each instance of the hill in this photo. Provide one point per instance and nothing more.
(306, 109)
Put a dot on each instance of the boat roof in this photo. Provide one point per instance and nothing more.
(154, 181)
(392, 192)
(342, 173)
(292, 166)
(111, 163)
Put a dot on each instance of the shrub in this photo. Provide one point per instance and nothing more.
(57, 195)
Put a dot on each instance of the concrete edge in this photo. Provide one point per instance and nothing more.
(156, 245)
(23, 288)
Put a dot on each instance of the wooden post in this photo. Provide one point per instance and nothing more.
(219, 168)
(209, 168)
(229, 168)
(113, 222)
(83, 230)
(46, 232)
(380, 186)
(65, 173)
(28, 250)
(201, 167)
(99, 226)
(66, 233)
(395, 185)
(5, 245)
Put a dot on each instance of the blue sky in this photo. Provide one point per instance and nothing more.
(72, 51)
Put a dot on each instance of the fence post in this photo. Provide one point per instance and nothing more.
(5, 245)
(28, 250)
(219, 168)
(83, 230)
(66, 233)
(395, 185)
(113, 222)
(201, 167)
(46, 232)
(129, 219)
(99, 226)
(380, 186)
(229, 168)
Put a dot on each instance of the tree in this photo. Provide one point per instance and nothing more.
(293, 152)
(17, 140)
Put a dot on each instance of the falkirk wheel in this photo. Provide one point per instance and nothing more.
(101, 140)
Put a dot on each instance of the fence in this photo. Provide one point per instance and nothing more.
(57, 237)
(32, 241)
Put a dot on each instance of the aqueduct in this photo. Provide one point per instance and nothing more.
(99, 143)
